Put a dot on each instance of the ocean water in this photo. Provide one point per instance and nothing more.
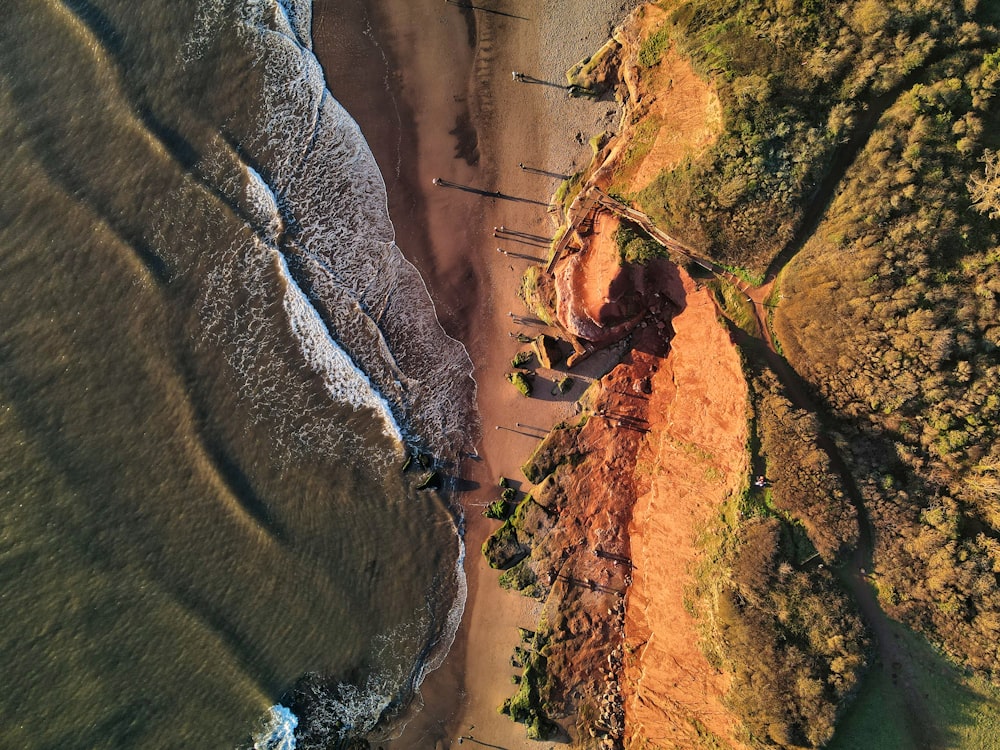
(213, 360)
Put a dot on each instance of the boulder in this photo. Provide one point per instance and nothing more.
(547, 350)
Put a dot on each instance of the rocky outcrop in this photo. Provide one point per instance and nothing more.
(547, 350)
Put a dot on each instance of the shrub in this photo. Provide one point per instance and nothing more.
(635, 246)
(497, 510)
(789, 639)
(520, 381)
(653, 47)
(527, 705)
(522, 358)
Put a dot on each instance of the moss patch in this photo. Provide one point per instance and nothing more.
(558, 447)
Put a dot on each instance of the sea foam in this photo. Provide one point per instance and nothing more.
(279, 730)
(314, 194)
(320, 240)
(344, 381)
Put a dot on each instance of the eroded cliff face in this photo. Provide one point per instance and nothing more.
(694, 457)
(567, 542)
(607, 535)
(597, 297)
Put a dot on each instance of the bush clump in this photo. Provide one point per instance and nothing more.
(528, 706)
(520, 381)
(803, 484)
(635, 246)
(790, 639)
(522, 358)
(497, 510)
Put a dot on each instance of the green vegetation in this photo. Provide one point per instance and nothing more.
(859, 138)
(787, 635)
(521, 578)
(520, 381)
(958, 712)
(635, 246)
(754, 279)
(796, 82)
(652, 48)
(568, 190)
(736, 306)
(497, 510)
(512, 542)
(891, 312)
(528, 705)
(503, 549)
(593, 75)
(599, 141)
(538, 294)
(522, 358)
(564, 384)
(639, 145)
(803, 485)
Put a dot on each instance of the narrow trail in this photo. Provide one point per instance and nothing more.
(890, 656)
(852, 572)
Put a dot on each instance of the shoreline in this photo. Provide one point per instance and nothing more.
(463, 119)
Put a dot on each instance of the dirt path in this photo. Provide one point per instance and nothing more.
(890, 657)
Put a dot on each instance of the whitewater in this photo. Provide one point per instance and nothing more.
(215, 357)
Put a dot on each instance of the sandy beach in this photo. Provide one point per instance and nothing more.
(431, 86)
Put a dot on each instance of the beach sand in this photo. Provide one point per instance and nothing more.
(430, 85)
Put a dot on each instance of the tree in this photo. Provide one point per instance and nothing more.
(985, 188)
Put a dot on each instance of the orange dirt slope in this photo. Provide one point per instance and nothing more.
(694, 459)
(671, 112)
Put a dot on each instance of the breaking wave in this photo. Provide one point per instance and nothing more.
(278, 732)
(312, 192)
(318, 266)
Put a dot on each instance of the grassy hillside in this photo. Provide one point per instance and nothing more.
(858, 159)
(800, 81)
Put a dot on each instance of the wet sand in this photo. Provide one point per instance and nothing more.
(430, 84)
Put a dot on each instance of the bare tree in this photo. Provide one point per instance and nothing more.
(985, 188)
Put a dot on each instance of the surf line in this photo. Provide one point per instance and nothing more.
(344, 380)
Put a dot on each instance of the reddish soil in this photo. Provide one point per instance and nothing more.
(600, 275)
(693, 459)
(585, 555)
(596, 298)
(689, 112)
(664, 448)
